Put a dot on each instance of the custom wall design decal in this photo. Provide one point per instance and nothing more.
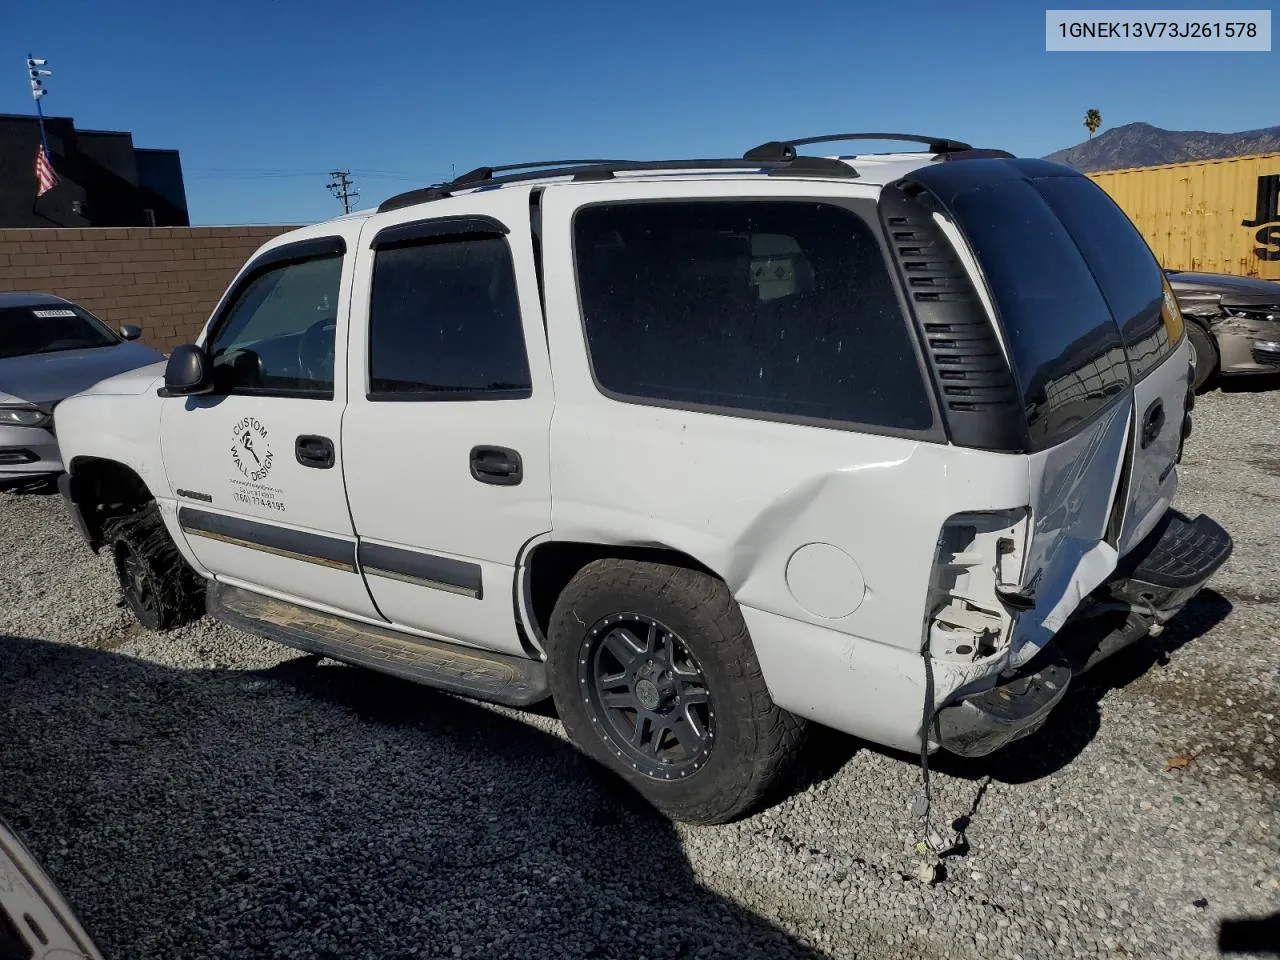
(251, 449)
(253, 457)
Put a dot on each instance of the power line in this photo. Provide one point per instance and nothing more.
(340, 186)
(230, 173)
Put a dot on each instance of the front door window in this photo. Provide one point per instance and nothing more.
(276, 336)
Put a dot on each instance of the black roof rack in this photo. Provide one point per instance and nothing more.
(482, 174)
(605, 169)
(786, 149)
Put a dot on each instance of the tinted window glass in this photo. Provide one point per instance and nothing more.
(445, 323)
(783, 308)
(49, 328)
(1066, 349)
(278, 332)
(1122, 264)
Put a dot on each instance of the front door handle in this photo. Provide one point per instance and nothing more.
(314, 452)
(1153, 422)
(499, 465)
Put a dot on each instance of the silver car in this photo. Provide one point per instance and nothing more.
(50, 349)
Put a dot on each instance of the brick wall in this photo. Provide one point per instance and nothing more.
(165, 279)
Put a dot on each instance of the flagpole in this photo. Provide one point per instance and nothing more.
(40, 121)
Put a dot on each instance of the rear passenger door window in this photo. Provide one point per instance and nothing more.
(444, 322)
(778, 309)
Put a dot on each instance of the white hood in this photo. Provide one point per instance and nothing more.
(129, 383)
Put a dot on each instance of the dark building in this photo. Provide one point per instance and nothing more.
(103, 179)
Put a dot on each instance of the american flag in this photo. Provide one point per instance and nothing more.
(46, 179)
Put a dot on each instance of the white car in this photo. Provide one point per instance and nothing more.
(703, 450)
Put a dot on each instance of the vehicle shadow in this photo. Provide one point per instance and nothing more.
(1254, 383)
(1253, 935)
(318, 811)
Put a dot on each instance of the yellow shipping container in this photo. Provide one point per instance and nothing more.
(1221, 216)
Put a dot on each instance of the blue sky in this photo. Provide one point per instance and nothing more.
(263, 97)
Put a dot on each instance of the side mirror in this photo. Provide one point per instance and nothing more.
(130, 331)
(187, 372)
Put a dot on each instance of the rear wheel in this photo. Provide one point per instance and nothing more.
(158, 585)
(1205, 353)
(654, 676)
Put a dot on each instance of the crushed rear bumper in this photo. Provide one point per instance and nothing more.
(1150, 586)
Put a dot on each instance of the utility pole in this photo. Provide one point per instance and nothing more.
(341, 187)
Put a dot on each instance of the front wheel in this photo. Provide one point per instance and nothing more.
(158, 585)
(654, 676)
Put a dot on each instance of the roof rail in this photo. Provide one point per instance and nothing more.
(605, 170)
(481, 174)
(786, 149)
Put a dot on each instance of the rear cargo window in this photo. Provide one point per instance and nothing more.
(778, 308)
(1065, 347)
(1122, 264)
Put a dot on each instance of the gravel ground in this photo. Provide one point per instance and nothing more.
(206, 794)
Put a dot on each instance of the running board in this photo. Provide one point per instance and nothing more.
(495, 677)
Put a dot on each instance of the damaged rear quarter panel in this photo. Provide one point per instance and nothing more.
(741, 496)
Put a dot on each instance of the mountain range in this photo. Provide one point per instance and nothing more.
(1142, 145)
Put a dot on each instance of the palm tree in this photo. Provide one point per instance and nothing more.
(1092, 121)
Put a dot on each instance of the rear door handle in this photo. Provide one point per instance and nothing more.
(314, 452)
(1153, 422)
(498, 465)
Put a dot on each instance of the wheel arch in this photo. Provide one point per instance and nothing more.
(100, 488)
(547, 566)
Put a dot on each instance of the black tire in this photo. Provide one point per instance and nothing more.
(158, 585)
(749, 740)
(1206, 355)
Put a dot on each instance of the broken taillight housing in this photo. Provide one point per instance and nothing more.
(979, 556)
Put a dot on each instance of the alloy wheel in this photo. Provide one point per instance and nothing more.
(646, 696)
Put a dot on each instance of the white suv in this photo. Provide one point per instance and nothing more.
(702, 450)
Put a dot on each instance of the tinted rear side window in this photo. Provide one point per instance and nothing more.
(1066, 349)
(444, 323)
(779, 308)
(1122, 264)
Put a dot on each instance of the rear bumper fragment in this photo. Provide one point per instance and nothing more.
(1152, 584)
(1175, 560)
(983, 722)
